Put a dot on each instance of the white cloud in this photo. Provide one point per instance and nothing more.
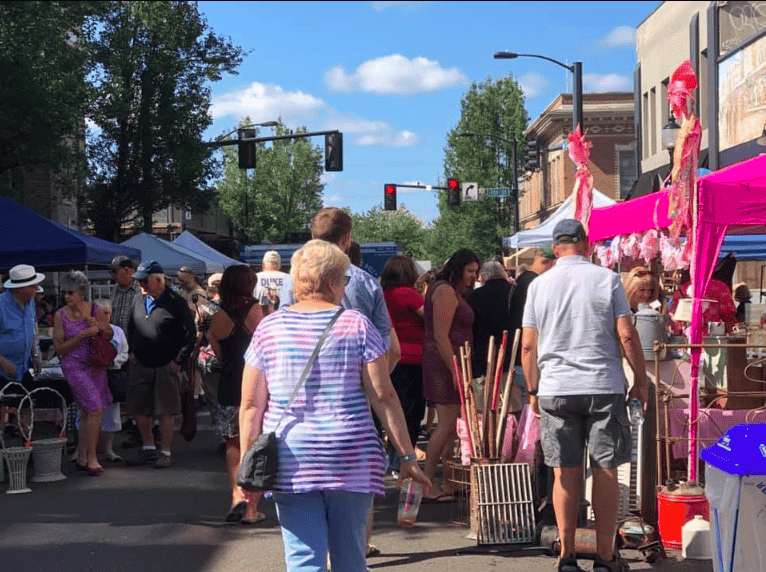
(533, 83)
(332, 200)
(593, 82)
(263, 102)
(621, 36)
(408, 6)
(395, 74)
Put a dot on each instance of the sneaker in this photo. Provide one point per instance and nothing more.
(144, 456)
(162, 462)
(615, 565)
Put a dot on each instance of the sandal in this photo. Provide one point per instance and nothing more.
(568, 564)
(372, 550)
(236, 512)
(617, 564)
(260, 517)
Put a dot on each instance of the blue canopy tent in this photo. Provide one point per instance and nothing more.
(30, 238)
(191, 242)
(171, 256)
(745, 246)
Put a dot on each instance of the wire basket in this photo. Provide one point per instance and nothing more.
(504, 506)
(17, 458)
(46, 453)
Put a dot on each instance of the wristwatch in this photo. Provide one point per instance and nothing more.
(408, 458)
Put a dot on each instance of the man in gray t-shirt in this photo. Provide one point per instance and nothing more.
(576, 321)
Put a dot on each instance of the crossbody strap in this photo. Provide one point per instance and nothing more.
(310, 364)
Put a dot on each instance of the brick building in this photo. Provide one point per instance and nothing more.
(609, 124)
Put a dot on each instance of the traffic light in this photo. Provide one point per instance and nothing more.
(246, 151)
(333, 152)
(531, 156)
(389, 197)
(453, 187)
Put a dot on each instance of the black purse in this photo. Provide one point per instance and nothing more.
(258, 469)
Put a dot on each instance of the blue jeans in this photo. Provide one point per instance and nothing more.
(320, 521)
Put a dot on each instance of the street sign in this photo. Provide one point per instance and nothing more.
(470, 192)
(499, 192)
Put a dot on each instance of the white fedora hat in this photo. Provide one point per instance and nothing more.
(23, 275)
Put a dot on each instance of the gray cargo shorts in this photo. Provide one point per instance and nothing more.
(569, 423)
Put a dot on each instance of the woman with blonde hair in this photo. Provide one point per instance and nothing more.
(641, 287)
(330, 461)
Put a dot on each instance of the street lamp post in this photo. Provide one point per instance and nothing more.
(515, 182)
(669, 134)
(575, 69)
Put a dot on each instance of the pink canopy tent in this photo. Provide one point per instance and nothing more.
(730, 201)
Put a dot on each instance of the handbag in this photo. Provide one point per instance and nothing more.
(258, 469)
(102, 352)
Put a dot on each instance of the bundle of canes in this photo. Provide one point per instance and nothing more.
(494, 449)
(507, 392)
(486, 424)
(463, 406)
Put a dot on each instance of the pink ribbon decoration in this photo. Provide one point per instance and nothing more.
(579, 152)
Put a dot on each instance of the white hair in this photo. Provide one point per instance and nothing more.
(272, 258)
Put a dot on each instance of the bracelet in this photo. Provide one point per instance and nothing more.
(532, 392)
(408, 458)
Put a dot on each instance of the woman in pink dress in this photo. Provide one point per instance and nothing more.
(73, 327)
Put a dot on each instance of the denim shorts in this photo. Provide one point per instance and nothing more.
(569, 423)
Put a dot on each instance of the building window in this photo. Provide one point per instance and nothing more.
(653, 121)
(626, 168)
(645, 127)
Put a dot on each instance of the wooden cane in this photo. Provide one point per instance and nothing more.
(493, 421)
(488, 377)
(507, 391)
(461, 391)
(469, 421)
(472, 411)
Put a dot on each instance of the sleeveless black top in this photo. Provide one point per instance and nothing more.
(232, 364)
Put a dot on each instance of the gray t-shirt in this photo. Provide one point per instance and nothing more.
(573, 307)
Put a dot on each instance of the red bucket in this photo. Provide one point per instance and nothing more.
(675, 510)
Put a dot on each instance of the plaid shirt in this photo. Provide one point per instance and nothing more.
(122, 304)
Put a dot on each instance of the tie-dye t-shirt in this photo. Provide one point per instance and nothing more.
(327, 440)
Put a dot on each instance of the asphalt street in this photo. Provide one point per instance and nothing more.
(140, 519)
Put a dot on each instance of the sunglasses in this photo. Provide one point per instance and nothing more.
(346, 279)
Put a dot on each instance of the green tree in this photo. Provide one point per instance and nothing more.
(378, 225)
(280, 195)
(153, 62)
(43, 92)
(493, 111)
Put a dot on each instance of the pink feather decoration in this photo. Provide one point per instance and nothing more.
(649, 246)
(579, 152)
(680, 88)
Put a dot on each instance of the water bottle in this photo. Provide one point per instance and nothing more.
(636, 411)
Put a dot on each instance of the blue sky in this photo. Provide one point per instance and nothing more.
(390, 75)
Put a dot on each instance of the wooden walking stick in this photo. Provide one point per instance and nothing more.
(485, 412)
(472, 412)
(494, 451)
(461, 390)
(507, 391)
(467, 397)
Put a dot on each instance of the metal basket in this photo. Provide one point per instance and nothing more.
(504, 506)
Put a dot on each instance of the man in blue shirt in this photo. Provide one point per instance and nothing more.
(18, 348)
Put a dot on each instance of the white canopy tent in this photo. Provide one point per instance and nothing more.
(542, 234)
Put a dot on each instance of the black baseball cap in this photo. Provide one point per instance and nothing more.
(148, 267)
(568, 231)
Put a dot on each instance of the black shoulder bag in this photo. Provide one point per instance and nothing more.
(258, 469)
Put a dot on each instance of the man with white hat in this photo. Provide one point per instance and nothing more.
(18, 346)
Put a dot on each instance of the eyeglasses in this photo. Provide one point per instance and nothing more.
(68, 292)
(346, 279)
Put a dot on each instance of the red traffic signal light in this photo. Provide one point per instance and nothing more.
(389, 197)
(453, 187)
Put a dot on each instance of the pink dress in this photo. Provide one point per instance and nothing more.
(88, 383)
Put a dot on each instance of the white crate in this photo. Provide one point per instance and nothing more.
(504, 503)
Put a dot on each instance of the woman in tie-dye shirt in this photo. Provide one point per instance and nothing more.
(330, 459)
